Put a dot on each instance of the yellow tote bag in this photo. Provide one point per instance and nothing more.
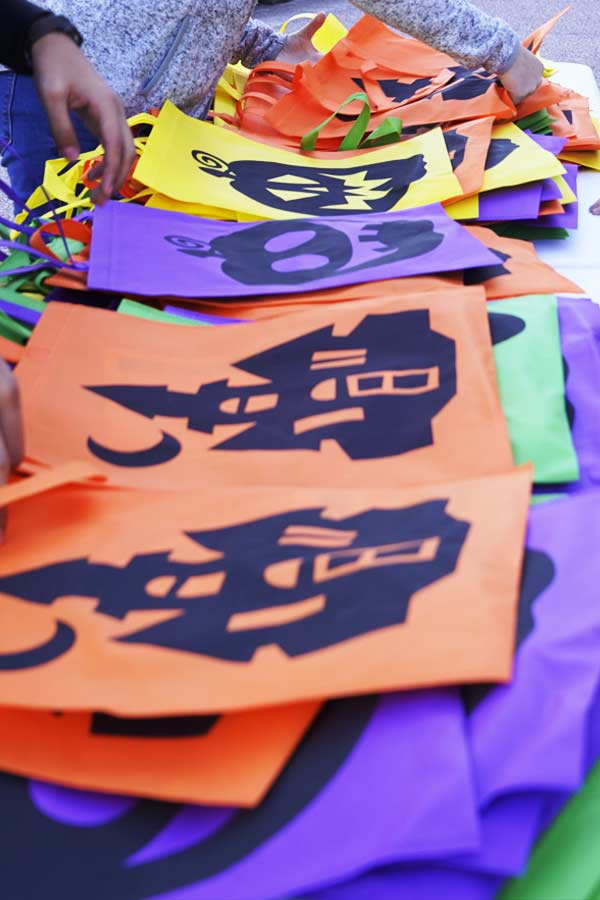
(194, 162)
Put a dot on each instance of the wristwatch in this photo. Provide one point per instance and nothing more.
(48, 24)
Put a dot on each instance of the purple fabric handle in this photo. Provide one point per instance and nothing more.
(22, 313)
(23, 270)
(24, 229)
(38, 254)
(11, 194)
(22, 205)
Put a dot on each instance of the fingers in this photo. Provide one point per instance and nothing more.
(67, 82)
(56, 104)
(11, 424)
(107, 120)
(313, 26)
(118, 145)
(524, 76)
(11, 431)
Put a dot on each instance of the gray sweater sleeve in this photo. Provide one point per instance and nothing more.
(456, 27)
(259, 43)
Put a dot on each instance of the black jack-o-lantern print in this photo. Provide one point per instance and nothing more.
(314, 191)
(304, 252)
(323, 570)
(375, 391)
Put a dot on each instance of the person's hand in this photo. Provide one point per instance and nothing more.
(11, 429)
(299, 45)
(66, 81)
(595, 209)
(524, 76)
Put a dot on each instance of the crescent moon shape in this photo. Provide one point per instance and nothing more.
(61, 641)
(165, 450)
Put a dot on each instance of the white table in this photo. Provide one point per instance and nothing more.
(578, 258)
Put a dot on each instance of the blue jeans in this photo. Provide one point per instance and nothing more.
(24, 127)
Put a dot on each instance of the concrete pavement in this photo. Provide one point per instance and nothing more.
(575, 39)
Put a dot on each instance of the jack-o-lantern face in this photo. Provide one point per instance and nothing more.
(312, 191)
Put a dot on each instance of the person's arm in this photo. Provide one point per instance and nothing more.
(466, 33)
(17, 17)
(67, 82)
(261, 43)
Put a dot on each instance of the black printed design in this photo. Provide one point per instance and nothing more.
(396, 90)
(485, 273)
(374, 391)
(164, 727)
(316, 581)
(538, 575)
(500, 149)
(456, 145)
(293, 253)
(312, 191)
(62, 639)
(466, 85)
(44, 858)
(504, 326)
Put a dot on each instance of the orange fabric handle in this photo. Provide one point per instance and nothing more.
(48, 480)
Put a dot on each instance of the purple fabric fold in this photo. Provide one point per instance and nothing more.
(511, 204)
(580, 340)
(533, 740)
(570, 217)
(549, 142)
(376, 780)
(550, 190)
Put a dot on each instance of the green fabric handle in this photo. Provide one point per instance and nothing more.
(565, 863)
(12, 330)
(356, 133)
(529, 232)
(142, 311)
(538, 122)
(388, 132)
